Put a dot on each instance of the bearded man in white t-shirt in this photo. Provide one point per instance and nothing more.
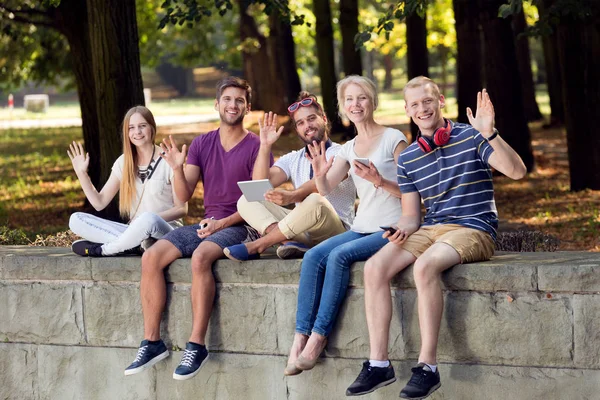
(315, 217)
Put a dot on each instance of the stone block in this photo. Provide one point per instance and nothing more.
(36, 102)
(42, 263)
(576, 276)
(41, 313)
(489, 328)
(269, 271)
(113, 314)
(116, 269)
(18, 371)
(586, 315)
(91, 373)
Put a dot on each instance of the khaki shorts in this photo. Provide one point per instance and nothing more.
(471, 244)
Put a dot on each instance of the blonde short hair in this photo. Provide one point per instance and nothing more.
(364, 83)
(422, 81)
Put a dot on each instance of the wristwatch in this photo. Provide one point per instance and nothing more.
(493, 135)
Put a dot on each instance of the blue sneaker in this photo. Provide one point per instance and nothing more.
(194, 357)
(239, 252)
(148, 354)
(292, 250)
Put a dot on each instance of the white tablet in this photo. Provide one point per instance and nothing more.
(255, 190)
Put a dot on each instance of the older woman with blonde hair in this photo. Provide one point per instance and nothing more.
(146, 195)
(370, 161)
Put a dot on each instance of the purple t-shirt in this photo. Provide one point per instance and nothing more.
(220, 170)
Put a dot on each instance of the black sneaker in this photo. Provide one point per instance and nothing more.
(370, 379)
(148, 354)
(422, 383)
(86, 248)
(194, 357)
(134, 251)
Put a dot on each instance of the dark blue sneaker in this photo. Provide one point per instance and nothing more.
(422, 383)
(148, 354)
(239, 252)
(85, 248)
(370, 379)
(194, 357)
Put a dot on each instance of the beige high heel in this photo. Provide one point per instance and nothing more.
(291, 370)
(305, 364)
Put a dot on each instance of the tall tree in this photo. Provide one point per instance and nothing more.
(259, 64)
(349, 30)
(325, 55)
(532, 111)
(578, 36)
(469, 59)
(553, 77)
(417, 56)
(285, 54)
(503, 80)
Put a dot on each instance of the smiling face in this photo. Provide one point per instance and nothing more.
(357, 104)
(140, 132)
(424, 105)
(310, 125)
(232, 106)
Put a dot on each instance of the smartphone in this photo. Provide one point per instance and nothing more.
(364, 161)
(390, 229)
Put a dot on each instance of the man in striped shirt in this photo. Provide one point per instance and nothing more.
(448, 167)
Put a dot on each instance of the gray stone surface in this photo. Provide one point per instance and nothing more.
(88, 373)
(586, 310)
(41, 313)
(18, 371)
(114, 269)
(576, 276)
(42, 263)
(113, 314)
(488, 328)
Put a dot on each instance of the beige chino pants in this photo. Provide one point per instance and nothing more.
(310, 222)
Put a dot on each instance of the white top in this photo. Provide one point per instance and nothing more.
(377, 206)
(297, 169)
(156, 193)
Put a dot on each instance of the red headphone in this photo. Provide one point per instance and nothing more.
(441, 136)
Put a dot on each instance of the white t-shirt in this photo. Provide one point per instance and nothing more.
(297, 169)
(157, 191)
(377, 206)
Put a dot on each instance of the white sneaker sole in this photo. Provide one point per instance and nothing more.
(193, 374)
(150, 363)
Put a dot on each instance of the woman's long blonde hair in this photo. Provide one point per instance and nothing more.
(127, 191)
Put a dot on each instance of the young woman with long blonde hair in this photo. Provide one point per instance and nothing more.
(146, 195)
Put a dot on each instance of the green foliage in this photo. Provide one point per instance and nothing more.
(12, 236)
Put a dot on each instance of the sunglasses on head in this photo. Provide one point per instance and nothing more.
(302, 103)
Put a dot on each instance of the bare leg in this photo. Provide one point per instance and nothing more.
(203, 288)
(427, 271)
(379, 270)
(272, 237)
(153, 288)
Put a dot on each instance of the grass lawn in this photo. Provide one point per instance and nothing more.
(39, 190)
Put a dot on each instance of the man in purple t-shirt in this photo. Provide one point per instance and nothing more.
(219, 159)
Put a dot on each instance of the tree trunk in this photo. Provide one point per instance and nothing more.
(532, 111)
(259, 68)
(349, 29)
(369, 68)
(579, 60)
(469, 67)
(281, 33)
(417, 57)
(326, 57)
(117, 74)
(553, 77)
(503, 80)
(388, 65)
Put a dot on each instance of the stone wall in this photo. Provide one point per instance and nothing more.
(521, 326)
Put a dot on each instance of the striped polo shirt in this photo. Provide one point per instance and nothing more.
(454, 180)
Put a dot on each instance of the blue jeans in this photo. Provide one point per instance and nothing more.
(324, 278)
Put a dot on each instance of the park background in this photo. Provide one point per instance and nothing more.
(540, 61)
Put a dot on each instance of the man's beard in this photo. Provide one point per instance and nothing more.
(318, 137)
(237, 121)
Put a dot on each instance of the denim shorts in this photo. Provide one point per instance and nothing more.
(186, 238)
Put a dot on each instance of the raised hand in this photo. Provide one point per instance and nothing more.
(318, 159)
(369, 173)
(268, 129)
(483, 120)
(279, 196)
(171, 154)
(79, 158)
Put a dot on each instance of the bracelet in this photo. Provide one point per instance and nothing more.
(380, 184)
(493, 135)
